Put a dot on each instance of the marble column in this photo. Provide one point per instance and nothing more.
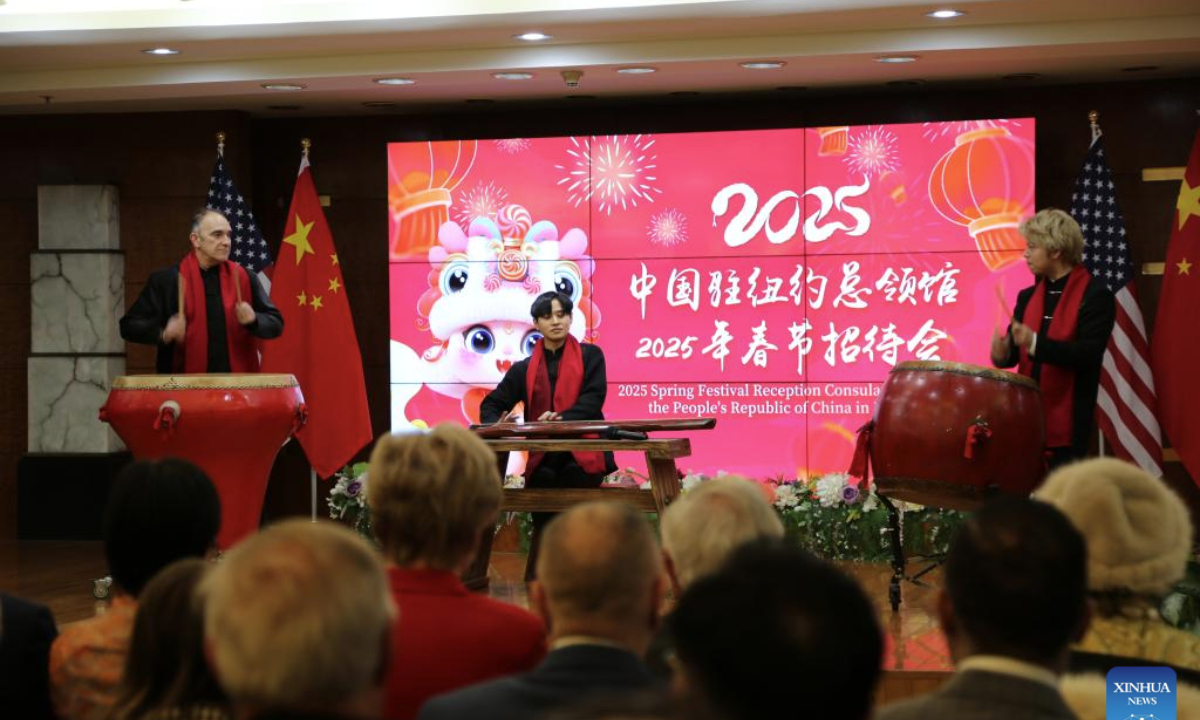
(77, 279)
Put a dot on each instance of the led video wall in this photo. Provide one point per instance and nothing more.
(767, 278)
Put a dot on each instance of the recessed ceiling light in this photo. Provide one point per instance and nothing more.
(1020, 77)
(579, 97)
(792, 88)
(763, 65)
(906, 83)
(480, 101)
(642, 70)
(532, 36)
(1140, 68)
(685, 93)
(394, 81)
(161, 51)
(283, 107)
(945, 14)
(379, 104)
(896, 59)
(512, 75)
(283, 86)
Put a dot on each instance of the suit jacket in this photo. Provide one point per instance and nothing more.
(1082, 356)
(448, 638)
(982, 695)
(566, 676)
(159, 300)
(26, 632)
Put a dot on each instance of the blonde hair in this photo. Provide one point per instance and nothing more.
(704, 526)
(599, 560)
(431, 494)
(1054, 230)
(298, 616)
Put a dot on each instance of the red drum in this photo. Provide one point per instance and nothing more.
(232, 426)
(948, 434)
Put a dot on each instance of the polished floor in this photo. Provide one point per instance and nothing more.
(60, 574)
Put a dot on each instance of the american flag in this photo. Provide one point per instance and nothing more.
(1126, 400)
(248, 248)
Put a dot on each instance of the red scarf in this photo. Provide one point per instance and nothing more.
(566, 392)
(192, 355)
(1057, 383)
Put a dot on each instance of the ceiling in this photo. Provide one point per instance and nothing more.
(88, 60)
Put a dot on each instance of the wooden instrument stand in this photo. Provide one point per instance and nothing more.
(564, 436)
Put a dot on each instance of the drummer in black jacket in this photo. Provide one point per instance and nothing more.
(1059, 331)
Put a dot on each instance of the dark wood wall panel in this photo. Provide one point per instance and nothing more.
(161, 164)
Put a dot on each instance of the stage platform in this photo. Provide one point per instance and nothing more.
(59, 573)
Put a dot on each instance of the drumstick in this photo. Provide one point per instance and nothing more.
(182, 291)
(237, 288)
(1003, 303)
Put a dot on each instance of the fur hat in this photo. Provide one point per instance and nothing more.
(1138, 533)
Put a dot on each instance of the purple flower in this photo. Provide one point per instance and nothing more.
(850, 494)
(354, 488)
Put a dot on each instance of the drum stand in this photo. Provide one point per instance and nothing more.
(899, 563)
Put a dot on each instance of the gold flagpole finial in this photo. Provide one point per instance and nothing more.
(220, 138)
(1093, 117)
(305, 143)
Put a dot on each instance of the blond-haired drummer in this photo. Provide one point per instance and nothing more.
(1058, 332)
(206, 314)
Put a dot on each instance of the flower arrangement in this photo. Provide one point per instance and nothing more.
(829, 515)
(348, 499)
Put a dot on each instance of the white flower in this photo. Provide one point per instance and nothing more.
(691, 480)
(786, 497)
(871, 502)
(514, 481)
(829, 489)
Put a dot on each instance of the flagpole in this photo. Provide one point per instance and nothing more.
(1094, 120)
(312, 485)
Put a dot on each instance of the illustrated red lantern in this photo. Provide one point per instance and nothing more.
(421, 178)
(834, 140)
(985, 183)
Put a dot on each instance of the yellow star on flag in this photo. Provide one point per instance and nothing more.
(316, 302)
(302, 298)
(334, 285)
(1184, 267)
(299, 239)
(1188, 203)
(334, 258)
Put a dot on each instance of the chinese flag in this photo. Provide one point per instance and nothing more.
(318, 345)
(1176, 347)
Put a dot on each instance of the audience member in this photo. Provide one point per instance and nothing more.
(26, 631)
(1014, 600)
(776, 633)
(703, 526)
(599, 589)
(699, 531)
(297, 623)
(158, 512)
(166, 676)
(1139, 539)
(432, 496)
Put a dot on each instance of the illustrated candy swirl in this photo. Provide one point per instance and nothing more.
(512, 265)
(514, 221)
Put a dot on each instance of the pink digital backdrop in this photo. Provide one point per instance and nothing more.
(770, 279)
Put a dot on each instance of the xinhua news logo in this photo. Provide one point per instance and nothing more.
(1141, 693)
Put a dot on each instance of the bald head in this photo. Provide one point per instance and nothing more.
(599, 563)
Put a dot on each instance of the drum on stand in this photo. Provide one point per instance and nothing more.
(950, 434)
(232, 426)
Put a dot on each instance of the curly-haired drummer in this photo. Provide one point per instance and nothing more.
(208, 313)
(1058, 332)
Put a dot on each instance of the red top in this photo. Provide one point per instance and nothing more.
(448, 638)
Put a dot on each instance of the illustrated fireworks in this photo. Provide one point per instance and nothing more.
(935, 130)
(482, 200)
(872, 152)
(616, 169)
(512, 146)
(668, 228)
